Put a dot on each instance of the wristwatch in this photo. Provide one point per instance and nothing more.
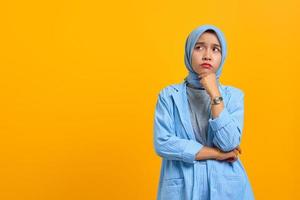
(217, 100)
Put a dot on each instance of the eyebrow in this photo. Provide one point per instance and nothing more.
(205, 43)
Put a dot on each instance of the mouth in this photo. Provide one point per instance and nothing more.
(206, 65)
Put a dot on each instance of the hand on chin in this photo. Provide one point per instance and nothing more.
(203, 72)
(208, 79)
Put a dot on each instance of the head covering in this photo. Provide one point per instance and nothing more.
(191, 40)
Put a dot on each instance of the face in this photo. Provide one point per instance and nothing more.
(206, 51)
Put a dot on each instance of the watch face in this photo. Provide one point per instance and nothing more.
(217, 100)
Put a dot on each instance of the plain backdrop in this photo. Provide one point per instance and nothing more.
(79, 82)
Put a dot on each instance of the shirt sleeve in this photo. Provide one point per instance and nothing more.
(227, 127)
(167, 144)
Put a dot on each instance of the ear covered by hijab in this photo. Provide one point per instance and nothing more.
(191, 40)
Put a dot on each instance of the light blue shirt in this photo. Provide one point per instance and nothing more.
(175, 143)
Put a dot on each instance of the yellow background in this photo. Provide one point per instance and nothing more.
(79, 82)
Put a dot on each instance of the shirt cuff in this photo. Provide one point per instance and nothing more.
(222, 120)
(189, 154)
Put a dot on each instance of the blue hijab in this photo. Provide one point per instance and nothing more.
(191, 40)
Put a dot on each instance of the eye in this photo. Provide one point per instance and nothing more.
(198, 47)
(216, 49)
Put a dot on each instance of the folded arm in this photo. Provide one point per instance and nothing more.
(227, 125)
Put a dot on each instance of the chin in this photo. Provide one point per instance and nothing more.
(208, 70)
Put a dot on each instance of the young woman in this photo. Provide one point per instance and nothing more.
(198, 126)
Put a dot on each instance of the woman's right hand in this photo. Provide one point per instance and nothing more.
(230, 156)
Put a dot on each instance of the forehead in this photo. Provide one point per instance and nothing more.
(209, 38)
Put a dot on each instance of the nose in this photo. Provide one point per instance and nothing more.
(206, 55)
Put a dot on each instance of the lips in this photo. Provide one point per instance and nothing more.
(206, 65)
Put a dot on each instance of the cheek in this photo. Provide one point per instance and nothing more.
(196, 57)
(218, 61)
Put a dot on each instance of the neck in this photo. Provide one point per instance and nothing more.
(193, 81)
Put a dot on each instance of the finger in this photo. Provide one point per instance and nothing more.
(239, 149)
(231, 159)
(231, 155)
(236, 152)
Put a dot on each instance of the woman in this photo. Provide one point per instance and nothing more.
(198, 126)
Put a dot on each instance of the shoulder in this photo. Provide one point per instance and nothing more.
(234, 97)
(168, 90)
(164, 99)
(233, 92)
